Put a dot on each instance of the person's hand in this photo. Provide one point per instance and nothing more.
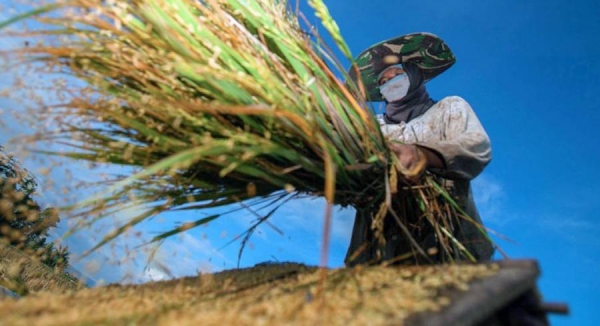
(413, 161)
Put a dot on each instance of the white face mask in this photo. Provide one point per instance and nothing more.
(396, 88)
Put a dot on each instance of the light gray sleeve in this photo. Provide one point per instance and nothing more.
(462, 141)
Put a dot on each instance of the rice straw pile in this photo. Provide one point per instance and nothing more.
(212, 102)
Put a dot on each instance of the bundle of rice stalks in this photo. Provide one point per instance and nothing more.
(213, 102)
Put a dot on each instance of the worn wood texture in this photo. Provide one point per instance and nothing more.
(485, 296)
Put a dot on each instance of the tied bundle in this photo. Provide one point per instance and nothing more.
(215, 102)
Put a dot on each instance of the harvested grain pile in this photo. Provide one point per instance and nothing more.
(272, 294)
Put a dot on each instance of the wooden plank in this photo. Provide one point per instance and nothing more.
(484, 297)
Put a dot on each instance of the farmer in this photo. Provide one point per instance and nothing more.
(443, 137)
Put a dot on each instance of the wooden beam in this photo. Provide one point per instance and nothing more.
(484, 297)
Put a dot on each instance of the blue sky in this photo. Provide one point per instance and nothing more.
(530, 71)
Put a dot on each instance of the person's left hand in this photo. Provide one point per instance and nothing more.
(412, 161)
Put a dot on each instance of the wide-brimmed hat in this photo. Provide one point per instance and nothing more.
(425, 50)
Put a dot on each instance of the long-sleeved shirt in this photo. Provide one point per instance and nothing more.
(450, 128)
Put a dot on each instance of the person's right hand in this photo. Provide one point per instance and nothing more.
(413, 161)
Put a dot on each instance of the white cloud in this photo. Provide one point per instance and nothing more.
(574, 229)
(572, 224)
(153, 274)
(490, 200)
(304, 216)
(124, 261)
(309, 214)
(185, 255)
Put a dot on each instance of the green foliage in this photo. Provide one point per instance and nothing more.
(23, 223)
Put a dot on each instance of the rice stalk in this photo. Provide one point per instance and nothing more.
(214, 102)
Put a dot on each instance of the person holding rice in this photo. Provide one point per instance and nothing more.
(443, 137)
(207, 121)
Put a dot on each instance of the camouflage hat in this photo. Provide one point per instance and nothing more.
(425, 50)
